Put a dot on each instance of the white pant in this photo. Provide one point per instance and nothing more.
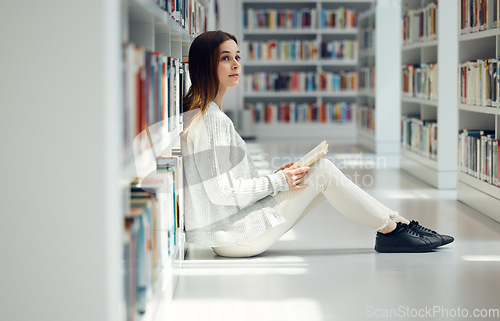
(326, 182)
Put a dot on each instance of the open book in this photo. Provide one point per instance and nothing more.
(315, 154)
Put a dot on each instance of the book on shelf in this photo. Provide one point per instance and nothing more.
(338, 18)
(272, 18)
(295, 81)
(479, 15)
(367, 38)
(154, 86)
(366, 117)
(313, 155)
(479, 82)
(420, 25)
(301, 113)
(366, 79)
(479, 155)
(419, 135)
(419, 80)
(148, 244)
(189, 14)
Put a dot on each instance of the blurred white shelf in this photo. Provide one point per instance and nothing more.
(480, 109)
(419, 101)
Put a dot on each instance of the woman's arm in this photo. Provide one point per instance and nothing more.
(224, 167)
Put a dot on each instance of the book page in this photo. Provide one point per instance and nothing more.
(315, 154)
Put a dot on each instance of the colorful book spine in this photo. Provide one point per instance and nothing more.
(366, 118)
(367, 38)
(419, 136)
(301, 113)
(154, 86)
(149, 239)
(479, 82)
(271, 18)
(420, 25)
(366, 79)
(301, 81)
(338, 18)
(189, 14)
(479, 155)
(419, 80)
(479, 15)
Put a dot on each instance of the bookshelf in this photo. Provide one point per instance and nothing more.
(270, 50)
(433, 56)
(378, 103)
(69, 198)
(478, 41)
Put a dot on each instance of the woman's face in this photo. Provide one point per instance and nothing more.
(229, 67)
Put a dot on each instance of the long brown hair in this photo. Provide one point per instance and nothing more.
(203, 62)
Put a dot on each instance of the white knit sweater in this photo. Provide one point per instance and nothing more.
(226, 201)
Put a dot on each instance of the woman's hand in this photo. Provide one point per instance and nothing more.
(295, 176)
(284, 166)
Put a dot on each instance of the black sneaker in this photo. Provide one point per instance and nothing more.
(405, 240)
(445, 239)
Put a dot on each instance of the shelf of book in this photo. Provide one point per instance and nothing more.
(478, 112)
(321, 34)
(378, 104)
(82, 135)
(429, 56)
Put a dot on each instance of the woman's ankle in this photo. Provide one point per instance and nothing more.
(391, 226)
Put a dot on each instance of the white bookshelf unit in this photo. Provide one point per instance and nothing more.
(473, 44)
(381, 136)
(342, 130)
(441, 170)
(63, 110)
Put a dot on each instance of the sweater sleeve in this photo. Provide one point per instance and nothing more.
(224, 168)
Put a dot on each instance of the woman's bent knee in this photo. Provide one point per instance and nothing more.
(236, 250)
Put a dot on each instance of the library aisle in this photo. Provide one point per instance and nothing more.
(325, 268)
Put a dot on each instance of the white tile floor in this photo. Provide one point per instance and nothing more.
(326, 269)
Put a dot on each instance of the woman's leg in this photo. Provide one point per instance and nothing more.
(325, 181)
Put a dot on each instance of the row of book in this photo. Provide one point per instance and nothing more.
(291, 50)
(279, 18)
(151, 234)
(479, 155)
(366, 79)
(479, 15)
(299, 113)
(478, 82)
(301, 81)
(420, 24)
(154, 86)
(338, 18)
(419, 80)
(190, 14)
(367, 38)
(366, 118)
(419, 136)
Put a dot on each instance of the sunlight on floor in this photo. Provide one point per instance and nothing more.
(285, 265)
(481, 258)
(298, 309)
